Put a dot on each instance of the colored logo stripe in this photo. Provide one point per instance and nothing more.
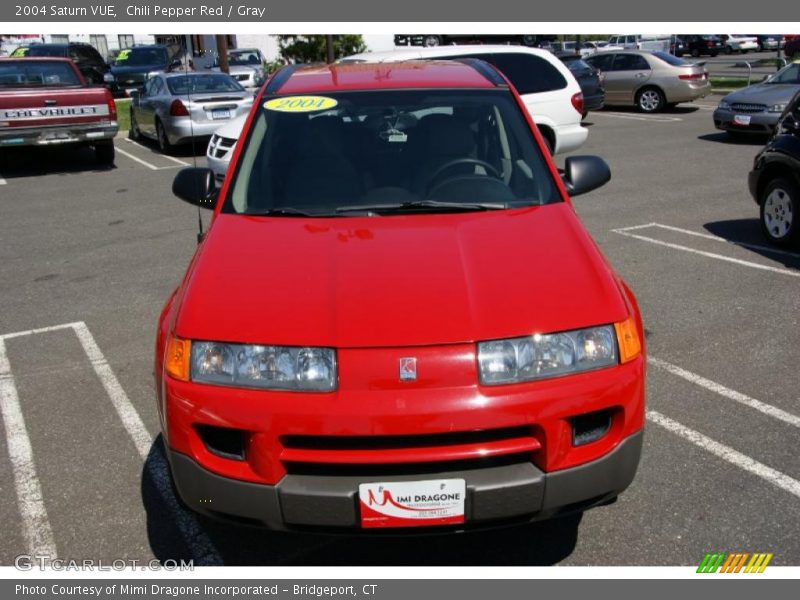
(734, 563)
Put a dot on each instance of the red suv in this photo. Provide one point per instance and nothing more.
(396, 318)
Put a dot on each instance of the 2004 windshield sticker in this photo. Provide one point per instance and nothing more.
(300, 104)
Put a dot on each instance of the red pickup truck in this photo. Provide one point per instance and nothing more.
(46, 101)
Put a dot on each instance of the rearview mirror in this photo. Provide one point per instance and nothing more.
(196, 186)
(584, 173)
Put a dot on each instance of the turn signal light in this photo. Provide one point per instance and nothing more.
(630, 346)
(176, 361)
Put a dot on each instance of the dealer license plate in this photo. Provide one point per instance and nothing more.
(412, 503)
(220, 113)
(741, 119)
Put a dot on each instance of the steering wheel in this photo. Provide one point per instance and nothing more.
(490, 170)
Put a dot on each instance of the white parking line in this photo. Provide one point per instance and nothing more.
(727, 453)
(200, 545)
(716, 238)
(745, 263)
(35, 523)
(167, 156)
(651, 118)
(713, 386)
(2, 181)
(144, 162)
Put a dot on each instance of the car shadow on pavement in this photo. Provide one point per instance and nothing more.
(723, 137)
(176, 533)
(38, 161)
(747, 233)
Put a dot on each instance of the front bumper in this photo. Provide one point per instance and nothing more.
(182, 130)
(569, 138)
(760, 123)
(55, 135)
(511, 493)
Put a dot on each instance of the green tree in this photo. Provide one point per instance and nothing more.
(311, 48)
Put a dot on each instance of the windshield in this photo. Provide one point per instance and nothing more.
(47, 51)
(244, 57)
(789, 74)
(670, 60)
(317, 154)
(202, 84)
(136, 57)
(16, 73)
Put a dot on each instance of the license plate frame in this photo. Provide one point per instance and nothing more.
(423, 503)
(220, 114)
(742, 120)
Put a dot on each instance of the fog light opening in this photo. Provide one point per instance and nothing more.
(223, 441)
(590, 427)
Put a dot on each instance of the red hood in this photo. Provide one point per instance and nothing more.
(397, 281)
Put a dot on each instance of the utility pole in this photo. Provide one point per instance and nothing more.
(329, 48)
(222, 49)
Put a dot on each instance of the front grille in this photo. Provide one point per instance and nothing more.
(219, 146)
(412, 453)
(744, 107)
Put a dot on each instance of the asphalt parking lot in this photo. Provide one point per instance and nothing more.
(89, 256)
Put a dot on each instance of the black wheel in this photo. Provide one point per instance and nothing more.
(744, 51)
(728, 49)
(133, 131)
(429, 41)
(695, 52)
(529, 40)
(650, 100)
(780, 202)
(104, 153)
(163, 141)
(714, 53)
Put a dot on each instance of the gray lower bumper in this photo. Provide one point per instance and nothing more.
(496, 494)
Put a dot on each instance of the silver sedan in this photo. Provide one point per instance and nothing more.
(175, 108)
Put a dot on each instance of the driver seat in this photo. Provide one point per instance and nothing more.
(445, 139)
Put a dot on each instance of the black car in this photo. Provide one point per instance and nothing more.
(590, 79)
(775, 180)
(133, 65)
(431, 39)
(86, 58)
(792, 47)
(697, 45)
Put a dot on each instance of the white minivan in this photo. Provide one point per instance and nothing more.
(550, 92)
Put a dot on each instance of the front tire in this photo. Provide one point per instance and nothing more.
(780, 202)
(650, 100)
(134, 133)
(430, 41)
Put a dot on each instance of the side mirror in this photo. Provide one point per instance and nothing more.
(196, 186)
(585, 173)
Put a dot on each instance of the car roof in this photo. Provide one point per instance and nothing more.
(373, 75)
(422, 52)
(173, 74)
(38, 59)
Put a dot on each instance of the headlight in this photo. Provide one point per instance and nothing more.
(724, 104)
(546, 355)
(108, 78)
(777, 108)
(267, 367)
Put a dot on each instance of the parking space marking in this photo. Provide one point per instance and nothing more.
(727, 453)
(167, 156)
(717, 388)
(144, 162)
(651, 118)
(35, 523)
(716, 238)
(198, 542)
(745, 263)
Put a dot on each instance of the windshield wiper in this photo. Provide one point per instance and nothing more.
(284, 211)
(422, 205)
